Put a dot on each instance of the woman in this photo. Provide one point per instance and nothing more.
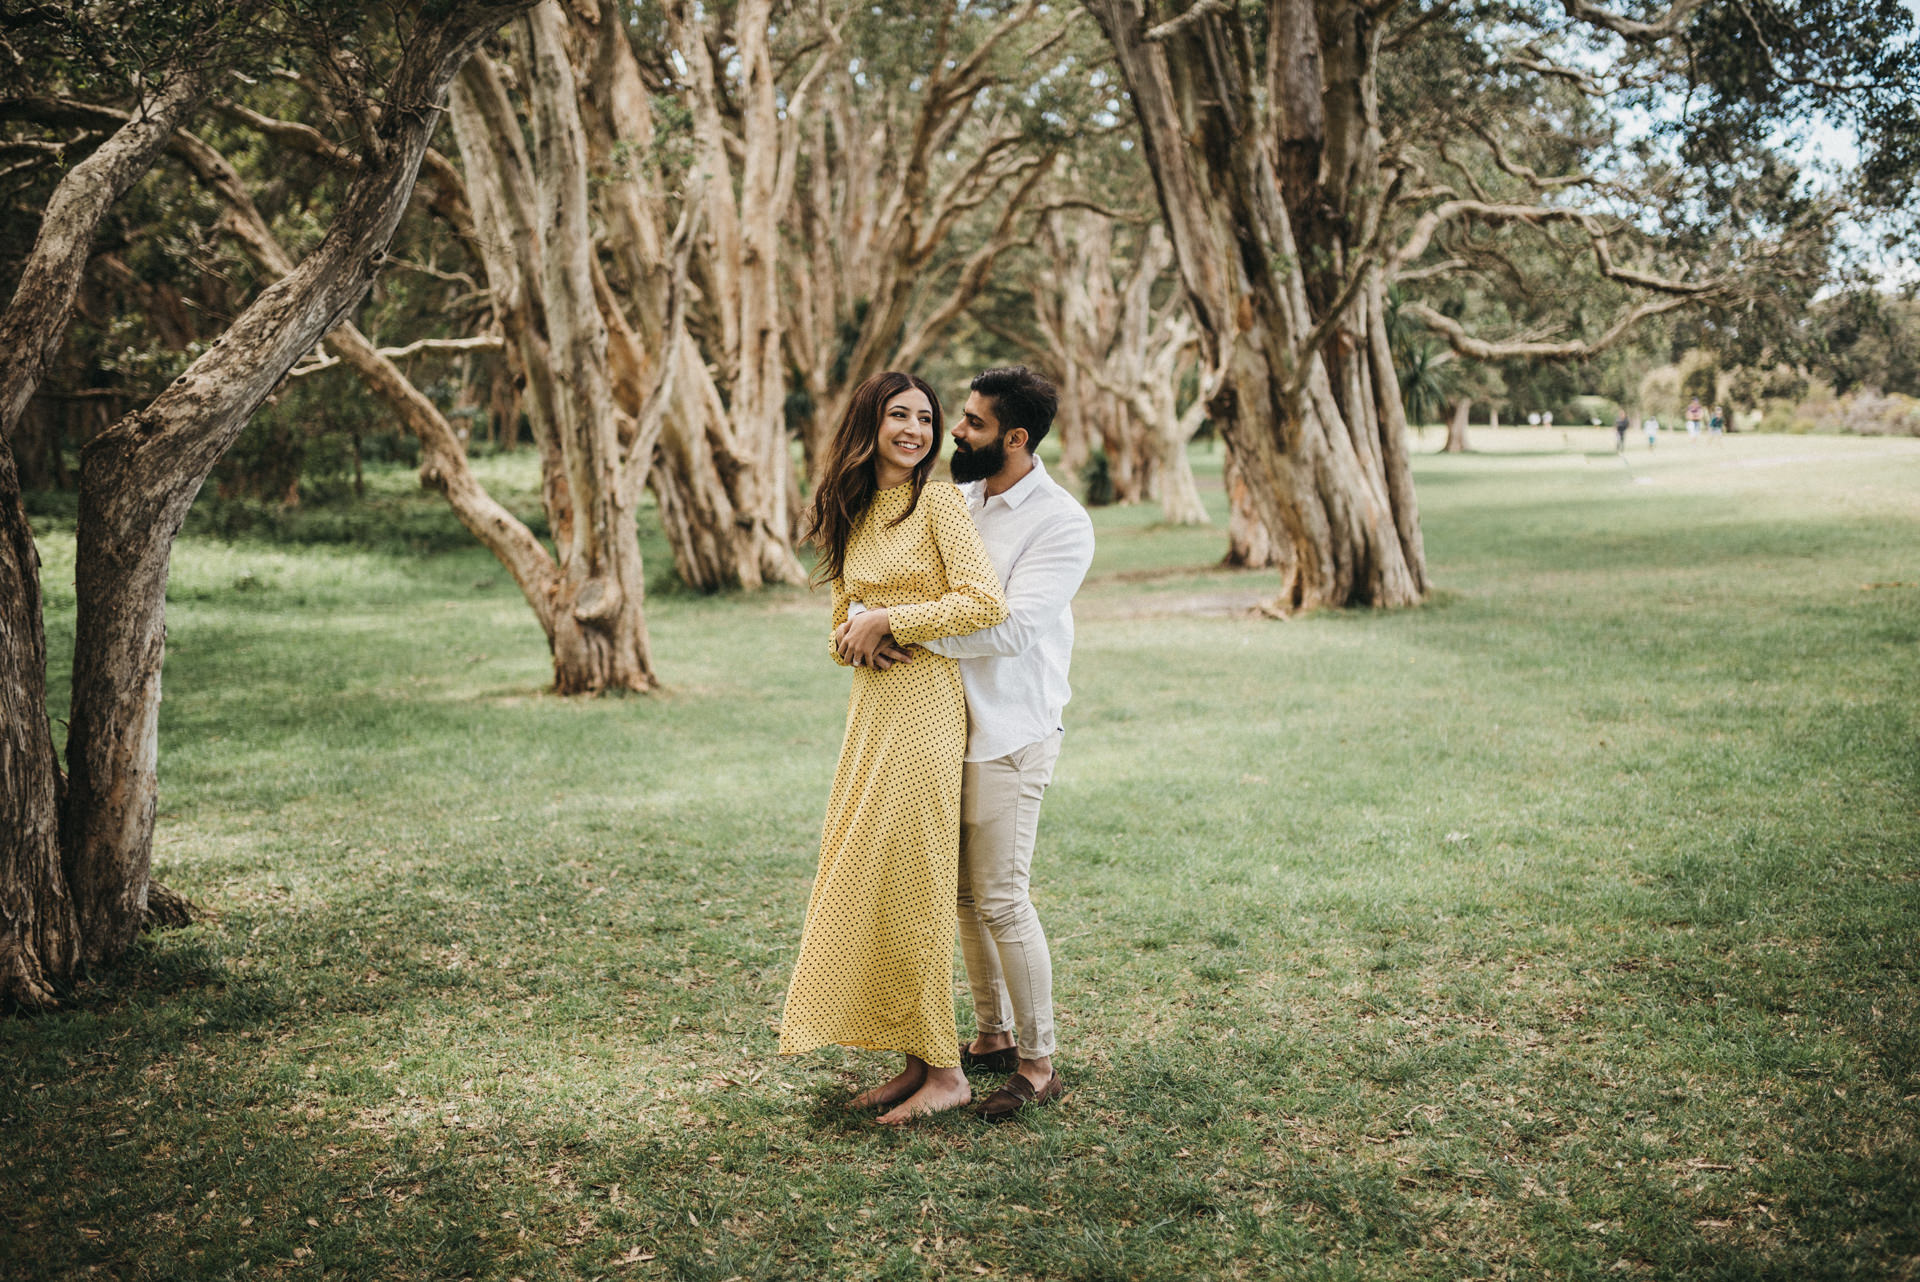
(876, 957)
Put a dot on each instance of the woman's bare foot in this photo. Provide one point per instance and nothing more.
(943, 1089)
(901, 1087)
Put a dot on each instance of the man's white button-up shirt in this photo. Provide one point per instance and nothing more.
(1041, 541)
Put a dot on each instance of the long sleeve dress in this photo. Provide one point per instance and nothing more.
(876, 956)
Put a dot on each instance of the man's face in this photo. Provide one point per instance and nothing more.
(979, 446)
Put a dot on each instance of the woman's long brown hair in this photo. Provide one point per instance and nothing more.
(848, 481)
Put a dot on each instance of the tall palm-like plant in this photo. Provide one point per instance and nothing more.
(1423, 382)
(1421, 365)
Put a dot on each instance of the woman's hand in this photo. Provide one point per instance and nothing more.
(866, 640)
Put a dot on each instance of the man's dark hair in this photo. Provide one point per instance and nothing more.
(1021, 398)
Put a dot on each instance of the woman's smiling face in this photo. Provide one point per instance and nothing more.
(906, 436)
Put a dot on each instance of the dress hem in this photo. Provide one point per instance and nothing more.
(873, 1046)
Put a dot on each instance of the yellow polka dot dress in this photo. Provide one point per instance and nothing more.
(876, 957)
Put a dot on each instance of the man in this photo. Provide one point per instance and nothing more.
(1015, 675)
(1620, 424)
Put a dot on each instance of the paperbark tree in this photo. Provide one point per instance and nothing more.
(1457, 426)
(650, 345)
(1082, 405)
(1262, 188)
(531, 213)
(137, 480)
(1080, 289)
(39, 933)
(892, 165)
(41, 930)
(1250, 545)
(720, 473)
(1145, 357)
(748, 485)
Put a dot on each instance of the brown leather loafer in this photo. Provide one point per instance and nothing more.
(1004, 1060)
(1017, 1094)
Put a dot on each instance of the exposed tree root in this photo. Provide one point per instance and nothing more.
(168, 909)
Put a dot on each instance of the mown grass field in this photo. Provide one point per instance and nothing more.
(1566, 927)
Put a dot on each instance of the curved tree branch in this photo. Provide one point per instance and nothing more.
(1593, 15)
(1180, 22)
(1525, 174)
(1539, 216)
(1466, 344)
(36, 319)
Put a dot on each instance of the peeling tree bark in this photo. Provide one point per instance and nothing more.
(1249, 544)
(39, 934)
(1080, 308)
(738, 477)
(1142, 367)
(720, 471)
(649, 342)
(599, 634)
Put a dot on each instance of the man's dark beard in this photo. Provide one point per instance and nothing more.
(980, 462)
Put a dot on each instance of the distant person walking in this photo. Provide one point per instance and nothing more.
(1717, 423)
(1696, 418)
(1621, 423)
(1652, 427)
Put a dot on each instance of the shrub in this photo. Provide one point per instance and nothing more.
(1863, 413)
(1097, 480)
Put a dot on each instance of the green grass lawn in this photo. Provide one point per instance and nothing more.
(1567, 927)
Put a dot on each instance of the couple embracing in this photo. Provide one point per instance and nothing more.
(953, 606)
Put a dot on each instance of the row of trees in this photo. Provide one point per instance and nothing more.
(1859, 341)
(673, 237)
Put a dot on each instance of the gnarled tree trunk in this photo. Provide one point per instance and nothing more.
(1271, 196)
(1249, 544)
(39, 934)
(1457, 426)
(138, 479)
(443, 465)
(1143, 369)
(532, 215)
(1179, 496)
(600, 632)
(738, 473)
(41, 939)
(719, 466)
(1084, 314)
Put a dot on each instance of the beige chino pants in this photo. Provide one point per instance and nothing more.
(1008, 966)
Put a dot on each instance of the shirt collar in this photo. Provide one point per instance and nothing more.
(1023, 489)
